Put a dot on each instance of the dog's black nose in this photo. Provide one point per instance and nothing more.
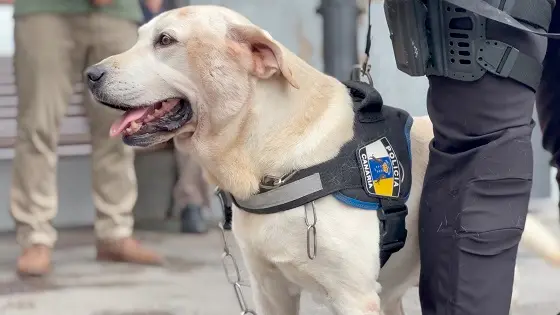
(95, 73)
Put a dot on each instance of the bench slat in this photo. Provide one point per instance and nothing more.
(7, 90)
(11, 112)
(7, 80)
(62, 150)
(12, 101)
(73, 128)
(10, 90)
(66, 140)
(74, 136)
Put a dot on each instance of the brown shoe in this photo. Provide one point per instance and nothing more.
(127, 250)
(35, 261)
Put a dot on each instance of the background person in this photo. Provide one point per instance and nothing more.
(54, 40)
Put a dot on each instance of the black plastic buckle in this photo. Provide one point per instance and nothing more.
(393, 233)
(497, 57)
(226, 202)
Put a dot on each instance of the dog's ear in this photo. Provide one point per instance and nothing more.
(268, 55)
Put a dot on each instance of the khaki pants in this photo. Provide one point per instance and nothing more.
(50, 50)
(191, 188)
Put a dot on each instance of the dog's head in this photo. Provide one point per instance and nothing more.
(192, 69)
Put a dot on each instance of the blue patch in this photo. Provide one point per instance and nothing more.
(380, 168)
(382, 174)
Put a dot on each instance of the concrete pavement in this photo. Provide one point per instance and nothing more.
(192, 281)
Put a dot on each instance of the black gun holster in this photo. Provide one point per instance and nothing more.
(448, 37)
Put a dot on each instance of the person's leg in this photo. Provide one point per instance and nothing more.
(43, 49)
(148, 15)
(476, 189)
(190, 195)
(113, 173)
(548, 96)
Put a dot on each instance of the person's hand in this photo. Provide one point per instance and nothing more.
(101, 2)
(154, 5)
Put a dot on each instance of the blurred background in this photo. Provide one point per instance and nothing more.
(297, 25)
(191, 281)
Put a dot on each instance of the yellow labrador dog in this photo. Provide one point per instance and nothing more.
(245, 106)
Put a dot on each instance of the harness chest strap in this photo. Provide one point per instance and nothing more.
(391, 214)
(371, 172)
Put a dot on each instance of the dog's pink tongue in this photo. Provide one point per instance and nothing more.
(120, 125)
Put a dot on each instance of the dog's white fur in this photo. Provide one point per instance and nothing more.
(260, 110)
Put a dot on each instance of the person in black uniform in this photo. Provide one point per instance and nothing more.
(477, 185)
(548, 97)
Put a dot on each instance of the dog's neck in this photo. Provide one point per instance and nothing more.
(286, 129)
(304, 126)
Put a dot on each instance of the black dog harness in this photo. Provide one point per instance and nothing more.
(371, 172)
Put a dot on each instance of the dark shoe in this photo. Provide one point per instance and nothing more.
(192, 220)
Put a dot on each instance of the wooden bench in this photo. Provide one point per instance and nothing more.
(154, 197)
(74, 131)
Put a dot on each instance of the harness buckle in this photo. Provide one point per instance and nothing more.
(226, 202)
(362, 73)
(269, 182)
(392, 220)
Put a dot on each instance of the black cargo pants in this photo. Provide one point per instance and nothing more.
(477, 186)
(548, 96)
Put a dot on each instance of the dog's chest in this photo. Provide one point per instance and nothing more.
(372, 171)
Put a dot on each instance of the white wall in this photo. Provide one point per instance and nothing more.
(6, 31)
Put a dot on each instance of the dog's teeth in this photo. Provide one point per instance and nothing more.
(135, 126)
(157, 112)
(149, 118)
(129, 130)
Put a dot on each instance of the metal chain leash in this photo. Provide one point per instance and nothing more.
(310, 221)
(362, 72)
(231, 268)
(233, 275)
(229, 263)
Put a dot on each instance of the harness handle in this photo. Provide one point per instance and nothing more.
(368, 103)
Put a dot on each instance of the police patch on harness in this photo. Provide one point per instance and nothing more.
(381, 169)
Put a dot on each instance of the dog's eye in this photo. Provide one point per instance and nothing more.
(165, 40)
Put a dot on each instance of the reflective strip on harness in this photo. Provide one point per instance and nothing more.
(283, 194)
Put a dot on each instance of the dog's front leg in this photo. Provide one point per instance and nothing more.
(347, 273)
(273, 294)
(394, 308)
(361, 302)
